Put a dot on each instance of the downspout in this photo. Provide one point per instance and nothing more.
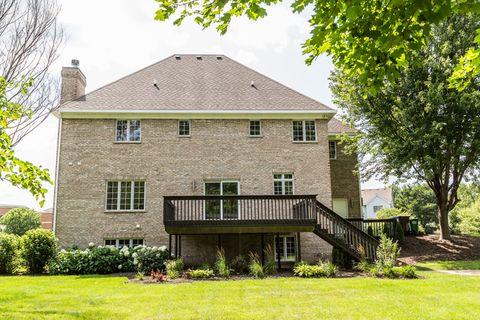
(57, 165)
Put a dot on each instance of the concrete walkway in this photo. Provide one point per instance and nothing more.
(461, 272)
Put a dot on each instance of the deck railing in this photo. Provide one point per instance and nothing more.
(239, 209)
(376, 226)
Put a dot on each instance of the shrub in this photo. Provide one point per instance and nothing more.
(9, 245)
(364, 266)
(341, 259)
(470, 219)
(239, 265)
(200, 273)
(255, 267)
(387, 253)
(387, 213)
(271, 264)
(389, 272)
(19, 220)
(409, 272)
(147, 259)
(39, 246)
(221, 266)
(174, 267)
(158, 276)
(324, 269)
(399, 236)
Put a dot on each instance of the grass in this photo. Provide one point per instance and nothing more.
(436, 296)
(450, 265)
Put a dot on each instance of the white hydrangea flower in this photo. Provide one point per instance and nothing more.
(63, 251)
(134, 255)
(163, 248)
(119, 267)
(135, 261)
(91, 244)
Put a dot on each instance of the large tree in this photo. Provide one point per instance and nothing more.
(369, 39)
(416, 127)
(30, 37)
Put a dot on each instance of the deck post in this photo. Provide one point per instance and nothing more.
(279, 265)
(176, 246)
(179, 245)
(262, 245)
(299, 248)
(170, 244)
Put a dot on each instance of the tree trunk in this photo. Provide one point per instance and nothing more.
(443, 222)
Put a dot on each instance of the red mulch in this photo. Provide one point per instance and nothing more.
(424, 248)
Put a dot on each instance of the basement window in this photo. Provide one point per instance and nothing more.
(286, 244)
(120, 243)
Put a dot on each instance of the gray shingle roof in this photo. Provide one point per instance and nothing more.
(184, 82)
(336, 126)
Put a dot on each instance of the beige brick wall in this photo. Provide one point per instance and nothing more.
(217, 149)
(345, 183)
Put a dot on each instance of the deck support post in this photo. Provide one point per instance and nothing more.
(170, 244)
(179, 245)
(299, 248)
(176, 246)
(279, 265)
(262, 247)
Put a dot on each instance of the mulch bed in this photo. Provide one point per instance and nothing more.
(427, 248)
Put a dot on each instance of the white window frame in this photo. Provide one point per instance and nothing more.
(283, 256)
(283, 180)
(128, 131)
(189, 129)
(304, 132)
(335, 149)
(117, 242)
(221, 201)
(249, 129)
(132, 196)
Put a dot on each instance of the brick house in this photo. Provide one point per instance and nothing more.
(198, 152)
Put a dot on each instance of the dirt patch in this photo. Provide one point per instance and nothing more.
(427, 248)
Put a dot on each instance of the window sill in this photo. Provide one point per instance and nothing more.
(128, 142)
(305, 142)
(255, 136)
(179, 136)
(125, 211)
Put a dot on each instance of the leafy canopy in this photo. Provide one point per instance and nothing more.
(18, 172)
(370, 39)
(19, 220)
(417, 127)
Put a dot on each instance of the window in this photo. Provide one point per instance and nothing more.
(128, 131)
(125, 196)
(283, 184)
(184, 128)
(304, 130)
(255, 128)
(120, 243)
(286, 244)
(332, 149)
(377, 208)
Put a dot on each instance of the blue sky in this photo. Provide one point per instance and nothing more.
(113, 38)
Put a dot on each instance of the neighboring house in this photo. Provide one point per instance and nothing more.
(4, 208)
(374, 200)
(198, 152)
(46, 217)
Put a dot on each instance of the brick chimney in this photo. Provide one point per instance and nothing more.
(73, 83)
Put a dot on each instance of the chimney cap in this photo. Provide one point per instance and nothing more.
(75, 63)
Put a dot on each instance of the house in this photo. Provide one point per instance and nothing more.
(198, 152)
(46, 217)
(374, 200)
(4, 208)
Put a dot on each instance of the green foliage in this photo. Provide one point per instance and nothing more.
(470, 219)
(324, 269)
(387, 253)
(93, 260)
(200, 273)
(39, 247)
(415, 127)
(19, 220)
(17, 172)
(147, 259)
(418, 201)
(468, 193)
(174, 268)
(9, 245)
(255, 267)
(371, 40)
(341, 259)
(270, 264)
(409, 272)
(239, 265)
(221, 266)
(399, 235)
(386, 213)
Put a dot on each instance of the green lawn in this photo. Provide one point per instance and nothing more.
(450, 265)
(437, 296)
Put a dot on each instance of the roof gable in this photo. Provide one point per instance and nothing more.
(190, 82)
